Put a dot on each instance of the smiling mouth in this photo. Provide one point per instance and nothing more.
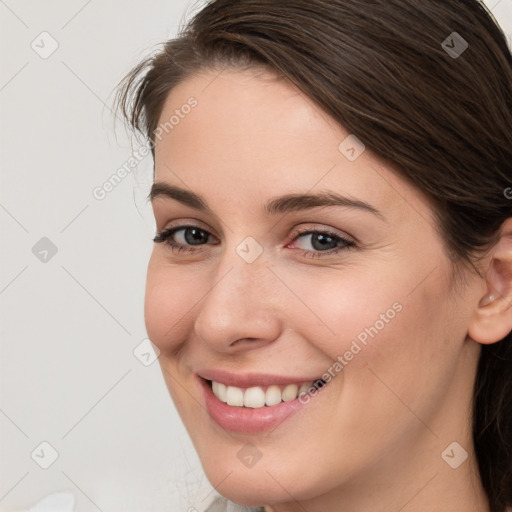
(257, 397)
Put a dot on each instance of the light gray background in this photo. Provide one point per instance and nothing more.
(70, 325)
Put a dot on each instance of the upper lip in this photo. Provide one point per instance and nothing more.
(248, 380)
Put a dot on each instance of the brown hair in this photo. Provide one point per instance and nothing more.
(393, 73)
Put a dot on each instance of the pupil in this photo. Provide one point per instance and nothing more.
(196, 238)
(318, 237)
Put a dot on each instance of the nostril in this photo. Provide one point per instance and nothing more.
(242, 340)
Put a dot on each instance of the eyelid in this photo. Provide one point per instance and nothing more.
(163, 234)
(187, 223)
(327, 230)
(301, 230)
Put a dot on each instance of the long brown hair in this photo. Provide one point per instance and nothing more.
(426, 85)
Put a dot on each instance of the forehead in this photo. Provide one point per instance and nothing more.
(253, 107)
(257, 133)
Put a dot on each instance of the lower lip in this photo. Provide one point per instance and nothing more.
(246, 420)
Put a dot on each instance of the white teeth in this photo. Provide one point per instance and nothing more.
(273, 395)
(257, 397)
(304, 389)
(219, 390)
(234, 396)
(290, 392)
(254, 398)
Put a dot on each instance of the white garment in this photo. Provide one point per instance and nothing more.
(223, 505)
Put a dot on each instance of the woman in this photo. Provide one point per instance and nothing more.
(331, 283)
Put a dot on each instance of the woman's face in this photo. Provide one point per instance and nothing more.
(265, 290)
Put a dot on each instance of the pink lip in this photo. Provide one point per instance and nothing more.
(252, 379)
(245, 420)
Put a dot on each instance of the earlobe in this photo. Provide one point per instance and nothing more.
(492, 318)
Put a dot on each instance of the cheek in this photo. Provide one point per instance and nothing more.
(343, 309)
(389, 324)
(412, 356)
(169, 299)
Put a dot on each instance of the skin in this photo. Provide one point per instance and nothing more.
(373, 438)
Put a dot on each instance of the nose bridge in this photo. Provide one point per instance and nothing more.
(242, 271)
(240, 303)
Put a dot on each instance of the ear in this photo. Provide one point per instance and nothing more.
(492, 318)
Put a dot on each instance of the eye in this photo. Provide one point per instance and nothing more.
(324, 243)
(184, 238)
(192, 235)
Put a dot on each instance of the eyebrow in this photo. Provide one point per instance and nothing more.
(278, 205)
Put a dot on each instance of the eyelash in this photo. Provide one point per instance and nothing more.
(165, 236)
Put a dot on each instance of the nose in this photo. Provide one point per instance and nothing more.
(241, 310)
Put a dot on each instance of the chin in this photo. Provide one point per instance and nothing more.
(271, 480)
(250, 487)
